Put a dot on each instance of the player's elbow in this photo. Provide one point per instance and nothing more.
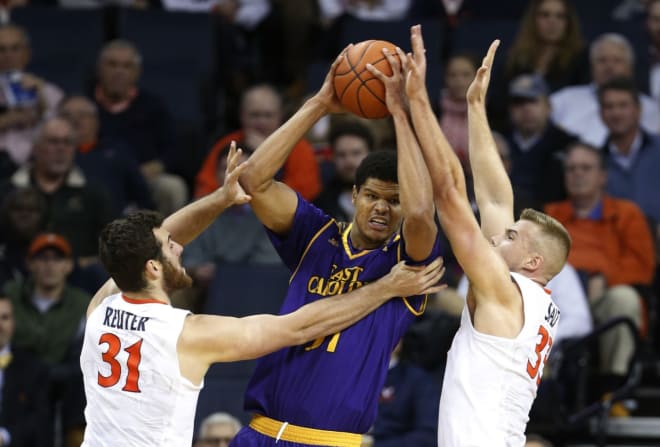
(252, 181)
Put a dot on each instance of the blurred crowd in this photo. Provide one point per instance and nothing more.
(576, 107)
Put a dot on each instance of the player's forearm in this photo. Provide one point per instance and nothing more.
(330, 315)
(415, 189)
(441, 161)
(271, 155)
(491, 182)
(415, 192)
(187, 223)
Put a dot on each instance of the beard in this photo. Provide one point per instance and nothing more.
(174, 278)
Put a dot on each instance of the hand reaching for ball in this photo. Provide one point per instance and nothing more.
(416, 76)
(395, 83)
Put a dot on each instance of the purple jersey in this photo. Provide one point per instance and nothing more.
(332, 383)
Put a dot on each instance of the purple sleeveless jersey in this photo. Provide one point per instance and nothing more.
(332, 383)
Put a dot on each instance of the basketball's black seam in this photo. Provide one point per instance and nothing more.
(364, 84)
(351, 69)
(356, 76)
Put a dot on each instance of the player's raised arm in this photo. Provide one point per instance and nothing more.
(187, 223)
(492, 186)
(225, 339)
(274, 202)
(487, 272)
(415, 190)
(442, 163)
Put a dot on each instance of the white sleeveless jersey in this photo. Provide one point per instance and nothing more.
(490, 382)
(136, 395)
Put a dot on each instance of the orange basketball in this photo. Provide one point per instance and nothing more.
(357, 89)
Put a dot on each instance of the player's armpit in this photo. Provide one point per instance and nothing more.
(107, 289)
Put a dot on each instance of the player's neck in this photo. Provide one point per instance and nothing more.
(150, 293)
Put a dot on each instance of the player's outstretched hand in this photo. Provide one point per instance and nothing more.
(394, 84)
(416, 77)
(326, 94)
(476, 93)
(406, 280)
(233, 191)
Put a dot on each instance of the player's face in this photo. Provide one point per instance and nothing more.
(6, 322)
(551, 21)
(620, 112)
(175, 276)
(349, 151)
(377, 213)
(513, 244)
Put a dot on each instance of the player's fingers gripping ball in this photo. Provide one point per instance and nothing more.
(359, 91)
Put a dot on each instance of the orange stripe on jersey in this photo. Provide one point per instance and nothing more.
(144, 301)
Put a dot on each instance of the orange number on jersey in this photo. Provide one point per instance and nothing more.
(134, 357)
(546, 340)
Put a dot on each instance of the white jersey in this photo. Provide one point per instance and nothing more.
(490, 382)
(136, 395)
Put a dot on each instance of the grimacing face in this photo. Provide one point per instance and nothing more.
(377, 213)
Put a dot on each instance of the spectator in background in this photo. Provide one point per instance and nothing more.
(452, 110)
(549, 43)
(633, 153)
(652, 62)
(613, 250)
(350, 142)
(76, 209)
(537, 441)
(408, 406)
(217, 430)
(536, 144)
(139, 121)
(376, 10)
(25, 419)
(101, 161)
(261, 113)
(575, 109)
(25, 99)
(49, 323)
(236, 236)
(22, 216)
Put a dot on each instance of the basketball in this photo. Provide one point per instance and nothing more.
(358, 90)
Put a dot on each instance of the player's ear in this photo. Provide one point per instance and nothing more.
(534, 261)
(354, 195)
(153, 268)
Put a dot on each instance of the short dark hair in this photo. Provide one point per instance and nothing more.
(352, 128)
(126, 244)
(380, 165)
(619, 85)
